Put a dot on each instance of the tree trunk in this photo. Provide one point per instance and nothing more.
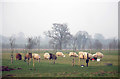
(60, 45)
(73, 61)
(54, 61)
(12, 57)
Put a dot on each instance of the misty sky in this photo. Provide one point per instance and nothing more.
(35, 17)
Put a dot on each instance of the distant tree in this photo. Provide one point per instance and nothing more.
(82, 38)
(37, 40)
(54, 44)
(31, 42)
(90, 43)
(59, 34)
(113, 44)
(74, 42)
(99, 36)
(12, 45)
(97, 44)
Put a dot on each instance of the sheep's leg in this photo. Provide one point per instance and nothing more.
(33, 62)
(54, 61)
(39, 60)
(74, 60)
(79, 61)
(28, 61)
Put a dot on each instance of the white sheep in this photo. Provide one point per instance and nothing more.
(73, 54)
(36, 56)
(47, 56)
(60, 54)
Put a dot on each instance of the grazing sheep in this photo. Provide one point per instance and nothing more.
(36, 56)
(80, 53)
(83, 55)
(60, 54)
(28, 56)
(52, 56)
(99, 54)
(47, 56)
(73, 54)
(95, 56)
(18, 56)
(90, 55)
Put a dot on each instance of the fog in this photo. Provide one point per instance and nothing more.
(34, 17)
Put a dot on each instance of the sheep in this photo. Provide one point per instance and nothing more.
(90, 55)
(36, 56)
(99, 54)
(73, 54)
(28, 56)
(83, 55)
(95, 56)
(60, 54)
(50, 56)
(80, 53)
(18, 56)
(47, 56)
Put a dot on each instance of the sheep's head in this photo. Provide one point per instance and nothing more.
(94, 55)
(76, 55)
(63, 55)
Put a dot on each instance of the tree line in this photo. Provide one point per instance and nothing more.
(59, 37)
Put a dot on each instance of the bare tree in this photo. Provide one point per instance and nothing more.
(37, 41)
(74, 42)
(82, 38)
(31, 42)
(113, 44)
(59, 34)
(12, 45)
(90, 46)
(54, 44)
(97, 44)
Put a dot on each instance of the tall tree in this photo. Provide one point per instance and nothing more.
(82, 38)
(31, 42)
(113, 44)
(74, 42)
(12, 45)
(59, 34)
(97, 44)
(37, 40)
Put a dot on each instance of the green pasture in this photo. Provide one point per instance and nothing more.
(62, 67)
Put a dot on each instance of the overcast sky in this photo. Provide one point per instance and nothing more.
(33, 17)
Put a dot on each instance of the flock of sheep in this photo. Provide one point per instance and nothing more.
(80, 55)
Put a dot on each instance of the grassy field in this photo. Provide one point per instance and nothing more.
(62, 67)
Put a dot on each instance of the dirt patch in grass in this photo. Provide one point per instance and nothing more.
(10, 75)
(6, 68)
(102, 73)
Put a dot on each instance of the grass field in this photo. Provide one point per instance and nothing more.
(62, 67)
